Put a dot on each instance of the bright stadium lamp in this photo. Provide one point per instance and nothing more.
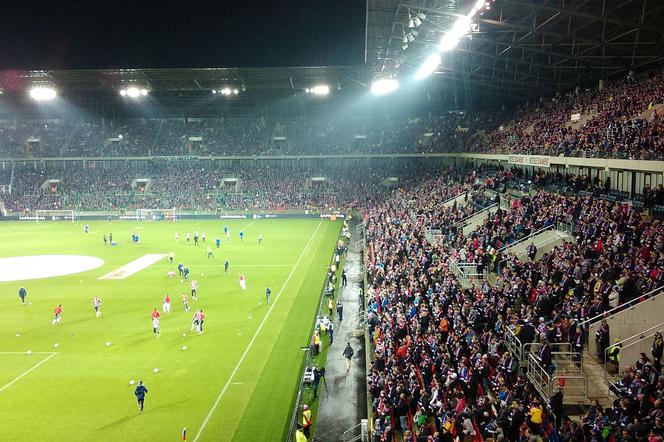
(133, 92)
(384, 86)
(321, 89)
(428, 67)
(235, 91)
(144, 92)
(43, 93)
(123, 92)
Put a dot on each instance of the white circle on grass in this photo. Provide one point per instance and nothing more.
(21, 268)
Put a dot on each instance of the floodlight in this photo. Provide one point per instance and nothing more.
(421, 16)
(417, 21)
(479, 4)
(226, 91)
(144, 92)
(123, 92)
(428, 67)
(404, 46)
(411, 23)
(414, 33)
(322, 89)
(405, 39)
(235, 91)
(410, 37)
(133, 92)
(43, 93)
(384, 86)
(214, 91)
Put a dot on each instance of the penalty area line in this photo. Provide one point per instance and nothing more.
(253, 339)
(17, 378)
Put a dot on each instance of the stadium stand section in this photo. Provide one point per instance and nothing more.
(620, 121)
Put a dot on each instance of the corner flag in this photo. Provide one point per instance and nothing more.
(184, 433)
(243, 282)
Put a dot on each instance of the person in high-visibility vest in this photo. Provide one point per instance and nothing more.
(306, 420)
(613, 355)
(299, 434)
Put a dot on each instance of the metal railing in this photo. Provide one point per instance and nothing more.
(464, 221)
(467, 273)
(585, 325)
(452, 198)
(521, 351)
(626, 343)
(359, 432)
(574, 384)
(526, 238)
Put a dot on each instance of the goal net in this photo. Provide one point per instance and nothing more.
(55, 215)
(157, 215)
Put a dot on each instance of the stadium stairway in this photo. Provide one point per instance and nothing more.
(343, 394)
(477, 219)
(459, 199)
(544, 241)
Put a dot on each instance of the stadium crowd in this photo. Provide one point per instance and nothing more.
(621, 121)
(191, 188)
(441, 368)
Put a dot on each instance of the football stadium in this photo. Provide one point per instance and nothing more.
(376, 221)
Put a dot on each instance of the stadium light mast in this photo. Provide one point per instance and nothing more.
(451, 38)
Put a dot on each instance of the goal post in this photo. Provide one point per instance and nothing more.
(55, 215)
(157, 215)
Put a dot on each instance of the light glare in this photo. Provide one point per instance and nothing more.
(42, 93)
(428, 67)
(384, 86)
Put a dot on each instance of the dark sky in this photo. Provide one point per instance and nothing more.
(122, 34)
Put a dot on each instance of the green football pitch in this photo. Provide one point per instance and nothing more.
(236, 381)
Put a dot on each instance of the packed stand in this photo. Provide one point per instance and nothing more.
(440, 361)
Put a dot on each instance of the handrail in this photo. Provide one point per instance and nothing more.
(651, 294)
(638, 337)
(452, 198)
(522, 240)
(463, 221)
(514, 344)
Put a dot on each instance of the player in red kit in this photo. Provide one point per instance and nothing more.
(58, 314)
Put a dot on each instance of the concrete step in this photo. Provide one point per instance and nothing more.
(544, 242)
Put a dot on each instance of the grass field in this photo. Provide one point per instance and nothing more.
(236, 381)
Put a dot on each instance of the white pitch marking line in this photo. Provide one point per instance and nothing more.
(25, 352)
(26, 372)
(251, 343)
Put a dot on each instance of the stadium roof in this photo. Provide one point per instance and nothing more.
(268, 81)
(520, 48)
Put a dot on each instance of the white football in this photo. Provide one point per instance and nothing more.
(184, 334)
(182, 280)
(17, 335)
(56, 345)
(108, 344)
(202, 274)
(156, 370)
(184, 347)
(29, 352)
(132, 382)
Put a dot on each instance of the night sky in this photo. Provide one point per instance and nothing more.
(240, 33)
